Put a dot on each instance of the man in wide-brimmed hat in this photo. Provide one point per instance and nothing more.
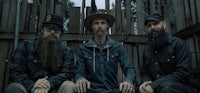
(98, 58)
(43, 65)
(166, 60)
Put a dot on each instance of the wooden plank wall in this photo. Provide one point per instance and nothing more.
(179, 14)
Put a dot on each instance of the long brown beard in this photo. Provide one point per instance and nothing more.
(49, 53)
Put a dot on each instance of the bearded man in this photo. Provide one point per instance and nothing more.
(44, 65)
(166, 60)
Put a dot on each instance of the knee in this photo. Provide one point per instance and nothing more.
(15, 88)
(68, 84)
(166, 86)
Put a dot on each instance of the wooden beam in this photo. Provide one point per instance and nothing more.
(188, 31)
(79, 37)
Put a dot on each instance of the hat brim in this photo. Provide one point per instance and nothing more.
(89, 19)
(45, 23)
(151, 19)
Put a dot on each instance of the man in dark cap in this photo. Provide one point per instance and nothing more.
(166, 60)
(98, 58)
(45, 64)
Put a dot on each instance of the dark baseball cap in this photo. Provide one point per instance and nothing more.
(53, 19)
(154, 17)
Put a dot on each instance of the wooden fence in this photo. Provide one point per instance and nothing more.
(182, 16)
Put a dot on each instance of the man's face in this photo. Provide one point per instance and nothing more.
(52, 32)
(154, 28)
(100, 26)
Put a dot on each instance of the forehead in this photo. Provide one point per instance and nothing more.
(52, 25)
(149, 22)
(99, 19)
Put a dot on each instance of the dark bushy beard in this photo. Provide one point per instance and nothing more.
(49, 53)
(157, 43)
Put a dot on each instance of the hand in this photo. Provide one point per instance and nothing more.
(41, 84)
(126, 87)
(40, 90)
(146, 87)
(82, 85)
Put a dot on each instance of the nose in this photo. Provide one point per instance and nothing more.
(53, 31)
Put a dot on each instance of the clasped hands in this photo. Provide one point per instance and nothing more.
(41, 86)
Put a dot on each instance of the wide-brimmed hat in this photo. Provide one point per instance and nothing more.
(100, 13)
(53, 19)
(154, 17)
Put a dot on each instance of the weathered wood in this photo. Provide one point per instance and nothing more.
(152, 6)
(198, 12)
(193, 13)
(188, 19)
(128, 18)
(188, 31)
(52, 7)
(12, 16)
(107, 4)
(140, 17)
(118, 22)
(79, 37)
(5, 15)
(23, 14)
(179, 14)
(74, 20)
(135, 59)
(42, 13)
(33, 23)
(3, 62)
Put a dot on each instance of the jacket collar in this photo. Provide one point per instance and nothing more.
(109, 42)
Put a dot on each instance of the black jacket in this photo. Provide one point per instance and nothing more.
(171, 63)
(26, 67)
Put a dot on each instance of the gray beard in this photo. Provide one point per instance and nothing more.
(49, 53)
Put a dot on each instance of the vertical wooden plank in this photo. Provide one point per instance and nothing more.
(197, 47)
(33, 23)
(128, 17)
(152, 6)
(27, 18)
(179, 14)
(140, 17)
(107, 4)
(198, 7)
(82, 30)
(1, 10)
(135, 58)
(118, 14)
(5, 15)
(23, 14)
(52, 6)
(193, 13)
(43, 10)
(12, 16)
(113, 30)
(188, 21)
(64, 8)
(169, 16)
(7, 64)
(4, 50)
(74, 20)
(190, 43)
(88, 9)
(140, 57)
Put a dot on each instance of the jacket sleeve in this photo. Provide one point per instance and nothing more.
(126, 65)
(18, 66)
(183, 59)
(80, 66)
(66, 73)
